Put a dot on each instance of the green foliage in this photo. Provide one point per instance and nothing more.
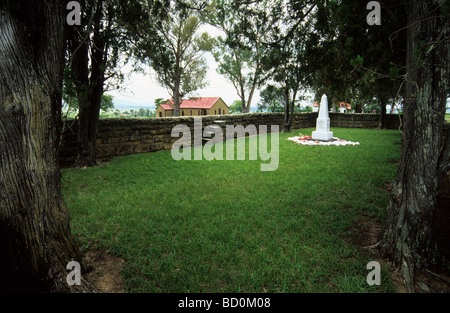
(358, 60)
(240, 53)
(307, 109)
(106, 40)
(70, 97)
(159, 101)
(349, 60)
(272, 100)
(107, 103)
(169, 42)
(236, 107)
(394, 72)
(372, 106)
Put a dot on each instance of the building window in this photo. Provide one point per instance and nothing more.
(160, 114)
(198, 112)
(215, 112)
(191, 112)
(219, 111)
(182, 112)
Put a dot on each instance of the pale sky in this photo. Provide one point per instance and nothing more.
(143, 89)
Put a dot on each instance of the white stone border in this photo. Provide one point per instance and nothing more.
(307, 141)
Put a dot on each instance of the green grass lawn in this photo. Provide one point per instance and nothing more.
(447, 117)
(225, 226)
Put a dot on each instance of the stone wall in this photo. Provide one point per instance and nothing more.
(129, 136)
(363, 120)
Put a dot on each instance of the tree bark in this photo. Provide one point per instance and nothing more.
(35, 238)
(97, 80)
(382, 124)
(409, 238)
(80, 65)
(289, 110)
(78, 44)
(89, 81)
(176, 98)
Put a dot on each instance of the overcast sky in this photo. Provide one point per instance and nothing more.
(143, 89)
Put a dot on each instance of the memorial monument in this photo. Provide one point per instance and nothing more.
(322, 131)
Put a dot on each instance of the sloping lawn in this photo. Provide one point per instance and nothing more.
(225, 226)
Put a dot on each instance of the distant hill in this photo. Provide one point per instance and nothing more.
(123, 108)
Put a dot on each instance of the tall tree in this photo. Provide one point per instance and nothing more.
(176, 54)
(93, 55)
(241, 52)
(409, 237)
(36, 243)
(290, 71)
(380, 53)
(352, 61)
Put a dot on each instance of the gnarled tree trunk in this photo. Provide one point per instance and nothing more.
(89, 79)
(36, 243)
(409, 238)
(99, 56)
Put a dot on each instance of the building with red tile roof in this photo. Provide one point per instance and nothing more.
(194, 107)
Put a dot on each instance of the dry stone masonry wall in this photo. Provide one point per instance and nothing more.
(118, 137)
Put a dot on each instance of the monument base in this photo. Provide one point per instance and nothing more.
(325, 136)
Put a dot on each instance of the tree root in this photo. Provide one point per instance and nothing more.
(438, 276)
(373, 247)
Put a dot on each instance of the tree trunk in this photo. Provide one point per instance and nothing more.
(287, 117)
(81, 73)
(289, 110)
(249, 101)
(176, 101)
(382, 124)
(408, 238)
(331, 103)
(245, 109)
(90, 84)
(97, 81)
(35, 238)
(79, 51)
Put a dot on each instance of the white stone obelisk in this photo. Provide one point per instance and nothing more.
(322, 131)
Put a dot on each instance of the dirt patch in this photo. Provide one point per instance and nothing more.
(106, 274)
(367, 232)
